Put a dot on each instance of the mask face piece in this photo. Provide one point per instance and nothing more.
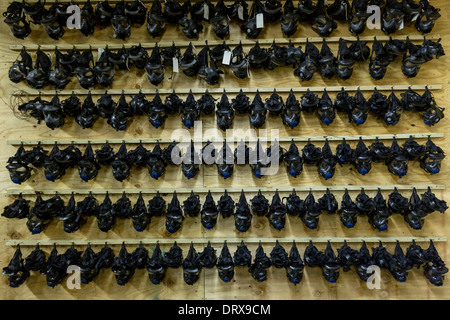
(209, 212)
(358, 17)
(174, 215)
(328, 202)
(157, 206)
(277, 212)
(398, 162)
(311, 212)
(274, 104)
(191, 267)
(87, 166)
(323, 24)
(123, 266)
(289, 19)
(293, 160)
(121, 165)
(294, 266)
(345, 61)
(278, 256)
(51, 23)
(154, 67)
(156, 266)
(309, 65)
(15, 271)
(207, 67)
(364, 203)
(15, 18)
(122, 208)
(258, 268)
(311, 154)
(190, 111)
(427, 17)
(348, 211)
(174, 257)
(18, 168)
(432, 159)
(192, 205)
(191, 28)
(327, 164)
(225, 264)
(434, 267)
(363, 161)
(242, 256)
(224, 113)
(242, 216)
(156, 21)
(291, 113)
(258, 57)
(139, 215)
(156, 162)
(294, 205)
(249, 27)
(88, 115)
(239, 63)
(331, 265)
(378, 218)
(257, 114)
(19, 209)
(105, 218)
(325, 109)
(87, 19)
(220, 20)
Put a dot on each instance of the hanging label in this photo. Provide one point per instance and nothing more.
(260, 21)
(415, 17)
(402, 25)
(240, 11)
(99, 53)
(175, 64)
(206, 11)
(226, 57)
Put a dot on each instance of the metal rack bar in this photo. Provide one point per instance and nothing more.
(322, 188)
(220, 241)
(230, 42)
(221, 90)
(211, 139)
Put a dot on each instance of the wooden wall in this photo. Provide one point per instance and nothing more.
(313, 286)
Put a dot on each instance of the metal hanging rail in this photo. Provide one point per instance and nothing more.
(221, 90)
(204, 190)
(220, 241)
(229, 42)
(212, 139)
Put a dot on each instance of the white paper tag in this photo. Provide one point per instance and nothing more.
(175, 64)
(415, 17)
(206, 11)
(260, 21)
(99, 53)
(240, 12)
(226, 57)
(402, 25)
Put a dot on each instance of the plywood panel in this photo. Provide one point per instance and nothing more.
(313, 285)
